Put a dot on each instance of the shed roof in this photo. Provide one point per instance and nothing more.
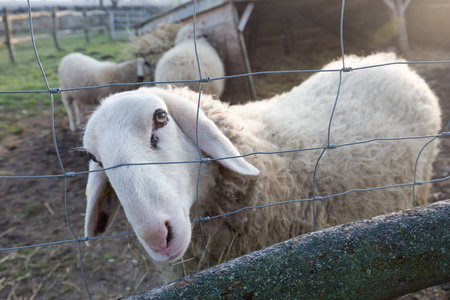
(182, 12)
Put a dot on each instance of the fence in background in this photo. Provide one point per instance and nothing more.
(119, 25)
(66, 175)
(121, 22)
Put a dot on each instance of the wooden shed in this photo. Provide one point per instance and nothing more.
(240, 28)
(221, 21)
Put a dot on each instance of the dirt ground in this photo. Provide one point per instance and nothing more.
(33, 212)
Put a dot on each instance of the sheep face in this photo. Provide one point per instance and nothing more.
(150, 126)
(143, 69)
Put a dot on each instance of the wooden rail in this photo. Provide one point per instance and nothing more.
(379, 258)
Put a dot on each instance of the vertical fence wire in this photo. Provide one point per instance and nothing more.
(58, 155)
(194, 28)
(329, 146)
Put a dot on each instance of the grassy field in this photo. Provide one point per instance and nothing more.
(25, 75)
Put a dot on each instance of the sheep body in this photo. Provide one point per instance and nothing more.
(373, 103)
(180, 63)
(376, 103)
(79, 70)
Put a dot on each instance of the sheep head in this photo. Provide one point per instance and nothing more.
(150, 125)
(143, 69)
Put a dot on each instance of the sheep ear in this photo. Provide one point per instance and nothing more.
(212, 141)
(217, 145)
(102, 203)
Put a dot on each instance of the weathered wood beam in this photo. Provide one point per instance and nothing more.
(380, 258)
(240, 27)
(55, 28)
(398, 8)
(86, 26)
(9, 35)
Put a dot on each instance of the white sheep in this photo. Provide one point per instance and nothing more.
(78, 70)
(152, 44)
(180, 63)
(155, 125)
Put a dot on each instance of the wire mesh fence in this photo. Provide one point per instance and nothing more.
(123, 21)
(65, 175)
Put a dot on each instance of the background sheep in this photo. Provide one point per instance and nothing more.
(180, 63)
(187, 33)
(79, 70)
(151, 45)
(157, 125)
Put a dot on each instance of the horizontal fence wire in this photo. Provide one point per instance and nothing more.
(209, 79)
(328, 147)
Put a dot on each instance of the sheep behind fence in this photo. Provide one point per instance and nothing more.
(324, 147)
(77, 70)
(283, 123)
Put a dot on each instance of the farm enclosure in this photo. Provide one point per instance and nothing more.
(109, 263)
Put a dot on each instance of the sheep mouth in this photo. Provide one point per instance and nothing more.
(176, 257)
(166, 256)
(173, 251)
(169, 237)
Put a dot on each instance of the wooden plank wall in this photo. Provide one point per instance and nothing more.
(220, 24)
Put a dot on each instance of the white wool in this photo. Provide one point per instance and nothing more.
(180, 63)
(159, 199)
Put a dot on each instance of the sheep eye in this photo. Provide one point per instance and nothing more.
(89, 156)
(94, 159)
(160, 118)
(154, 141)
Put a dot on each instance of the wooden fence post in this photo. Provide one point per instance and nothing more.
(398, 8)
(55, 28)
(9, 35)
(86, 26)
(242, 23)
(109, 16)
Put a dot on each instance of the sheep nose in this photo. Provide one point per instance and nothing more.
(159, 239)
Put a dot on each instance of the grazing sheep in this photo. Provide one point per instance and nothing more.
(180, 63)
(153, 125)
(151, 45)
(187, 33)
(79, 70)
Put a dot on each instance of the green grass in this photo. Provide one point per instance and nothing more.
(25, 74)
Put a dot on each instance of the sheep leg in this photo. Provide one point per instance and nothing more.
(77, 114)
(67, 101)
